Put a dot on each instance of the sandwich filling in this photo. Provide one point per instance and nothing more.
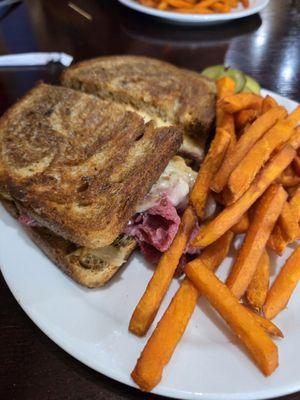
(192, 148)
(156, 221)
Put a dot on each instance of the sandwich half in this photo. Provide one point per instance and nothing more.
(156, 90)
(90, 169)
(74, 169)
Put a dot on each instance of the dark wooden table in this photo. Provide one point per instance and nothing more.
(266, 46)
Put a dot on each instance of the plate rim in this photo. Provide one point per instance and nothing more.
(113, 374)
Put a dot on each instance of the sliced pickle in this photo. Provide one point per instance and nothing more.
(242, 81)
(251, 85)
(213, 72)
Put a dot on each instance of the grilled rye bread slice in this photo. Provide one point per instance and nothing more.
(80, 165)
(175, 95)
(90, 268)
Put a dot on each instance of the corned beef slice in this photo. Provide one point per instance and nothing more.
(157, 226)
(27, 220)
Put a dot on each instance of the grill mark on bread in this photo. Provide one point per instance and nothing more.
(176, 95)
(100, 163)
(64, 253)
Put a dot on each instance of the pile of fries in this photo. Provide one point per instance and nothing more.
(252, 170)
(195, 6)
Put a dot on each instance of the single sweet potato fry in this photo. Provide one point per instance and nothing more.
(268, 326)
(256, 293)
(279, 238)
(258, 343)
(288, 222)
(225, 121)
(283, 286)
(295, 204)
(242, 226)
(242, 176)
(244, 117)
(268, 103)
(261, 226)
(214, 254)
(157, 287)
(162, 5)
(240, 101)
(226, 87)
(163, 341)
(161, 345)
(244, 144)
(207, 170)
(277, 242)
(245, 3)
(233, 213)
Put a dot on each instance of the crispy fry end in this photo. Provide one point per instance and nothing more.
(149, 303)
(258, 343)
(283, 286)
(258, 288)
(160, 346)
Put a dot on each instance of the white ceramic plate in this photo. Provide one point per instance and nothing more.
(91, 325)
(198, 19)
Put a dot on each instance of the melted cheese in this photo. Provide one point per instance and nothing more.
(159, 122)
(175, 183)
(112, 255)
(192, 147)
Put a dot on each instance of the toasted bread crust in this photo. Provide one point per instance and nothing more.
(179, 96)
(80, 165)
(59, 250)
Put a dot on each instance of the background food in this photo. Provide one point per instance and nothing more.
(195, 6)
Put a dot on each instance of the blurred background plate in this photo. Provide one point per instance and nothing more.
(198, 19)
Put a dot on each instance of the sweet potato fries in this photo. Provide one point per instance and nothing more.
(251, 169)
(171, 327)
